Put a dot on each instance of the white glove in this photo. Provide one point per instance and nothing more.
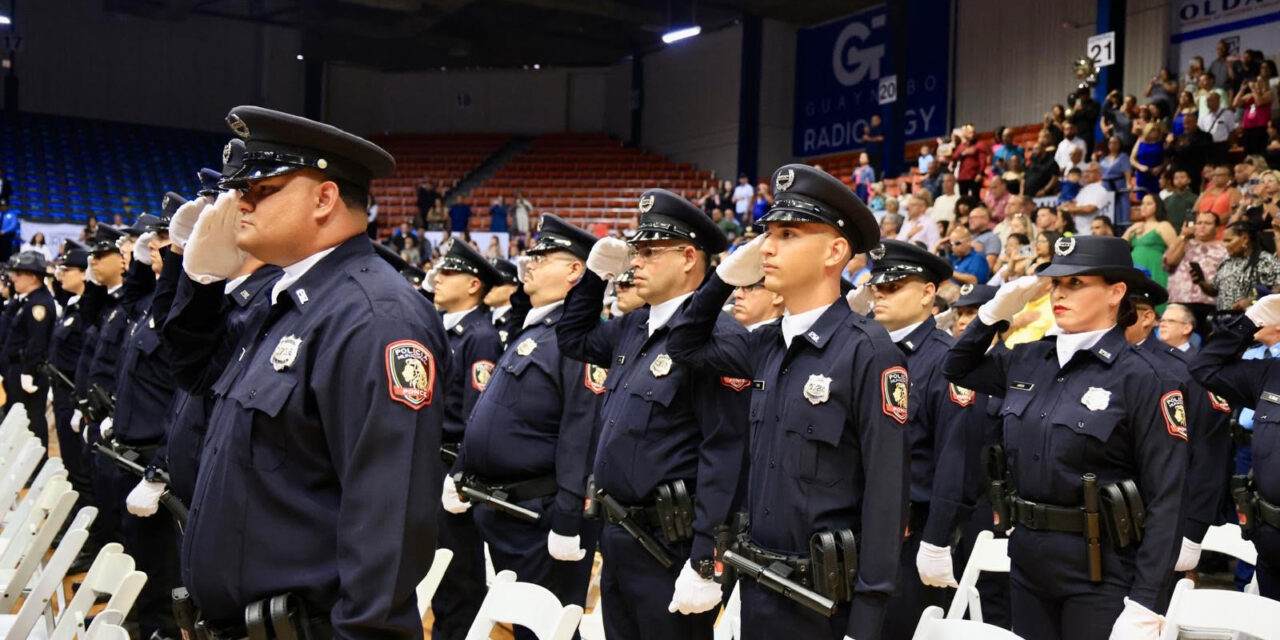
(946, 319)
(609, 258)
(28, 383)
(860, 300)
(142, 248)
(934, 566)
(1137, 622)
(1009, 300)
(144, 500)
(450, 499)
(76, 420)
(1266, 311)
(564, 548)
(211, 253)
(745, 266)
(184, 220)
(1188, 557)
(106, 428)
(522, 266)
(693, 593)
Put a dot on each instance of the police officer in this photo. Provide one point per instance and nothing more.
(754, 306)
(26, 344)
(828, 471)
(328, 416)
(65, 346)
(1254, 384)
(1091, 426)
(671, 447)
(531, 432)
(462, 278)
(626, 298)
(499, 299)
(944, 429)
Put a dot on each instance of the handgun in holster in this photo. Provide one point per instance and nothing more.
(1240, 436)
(834, 558)
(1246, 503)
(590, 506)
(997, 489)
(1092, 526)
(184, 614)
(675, 510)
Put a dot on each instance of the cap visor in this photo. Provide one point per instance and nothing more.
(250, 172)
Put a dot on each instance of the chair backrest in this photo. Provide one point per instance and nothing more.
(1222, 610)
(41, 594)
(730, 625)
(427, 588)
(104, 620)
(934, 627)
(13, 427)
(1226, 539)
(18, 472)
(111, 632)
(112, 573)
(989, 554)
(28, 547)
(526, 605)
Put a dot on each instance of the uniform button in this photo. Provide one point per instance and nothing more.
(784, 372)
(1079, 425)
(648, 394)
(253, 393)
(1035, 457)
(364, 269)
(642, 354)
(624, 385)
(771, 465)
(767, 511)
(1042, 414)
(1060, 378)
(809, 429)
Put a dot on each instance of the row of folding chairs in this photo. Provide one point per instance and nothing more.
(31, 579)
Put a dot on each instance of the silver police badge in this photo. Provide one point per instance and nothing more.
(1096, 399)
(226, 153)
(661, 365)
(818, 389)
(646, 203)
(526, 347)
(877, 252)
(1065, 245)
(286, 352)
(237, 125)
(785, 180)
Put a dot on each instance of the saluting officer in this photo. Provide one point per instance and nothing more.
(329, 414)
(1095, 436)
(531, 433)
(624, 290)
(672, 436)
(462, 278)
(754, 305)
(1254, 384)
(26, 344)
(828, 471)
(944, 430)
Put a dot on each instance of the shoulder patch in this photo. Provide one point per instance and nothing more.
(894, 388)
(960, 395)
(411, 373)
(1175, 414)
(737, 384)
(1218, 402)
(481, 373)
(38, 313)
(593, 378)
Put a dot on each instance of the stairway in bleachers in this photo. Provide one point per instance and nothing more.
(434, 157)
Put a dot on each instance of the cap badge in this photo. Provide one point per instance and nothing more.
(966, 289)
(785, 180)
(646, 203)
(322, 163)
(226, 154)
(877, 253)
(286, 352)
(817, 389)
(237, 125)
(1065, 245)
(526, 347)
(1096, 399)
(661, 365)
(165, 204)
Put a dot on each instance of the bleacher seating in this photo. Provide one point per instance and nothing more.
(65, 169)
(589, 178)
(434, 157)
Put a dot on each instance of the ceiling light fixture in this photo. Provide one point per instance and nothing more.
(681, 34)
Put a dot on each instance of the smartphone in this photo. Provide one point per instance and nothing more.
(1196, 270)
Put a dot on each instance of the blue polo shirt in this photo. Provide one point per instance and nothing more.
(974, 264)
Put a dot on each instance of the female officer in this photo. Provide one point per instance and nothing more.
(1254, 384)
(1083, 403)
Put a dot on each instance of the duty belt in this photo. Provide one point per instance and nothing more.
(1044, 517)
(801, 568)
(518, 491)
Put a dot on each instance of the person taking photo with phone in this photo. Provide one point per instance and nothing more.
(1194, 257)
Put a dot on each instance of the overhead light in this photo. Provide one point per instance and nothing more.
(681, 34)
(300, 57)
(4, 20)
(537, 66)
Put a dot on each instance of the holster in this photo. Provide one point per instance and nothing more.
(1123, 513)
(449, 452)
(1246, 504)
(726, 537)
(591, 506)
(998, 488)
(284, 617)
(673, 505)
(1240, 436)
(834, 557)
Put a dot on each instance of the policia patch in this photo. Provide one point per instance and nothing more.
(1175, 414)
(893, 393)
(593, 378)
(960, 395)
(481, 373)
(411, 373)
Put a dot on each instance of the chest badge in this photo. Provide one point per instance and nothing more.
(1096, 399)
(502, 335)
(38, 313)
(817, 389)
(661, 365)
(286, 352)
(526, 347)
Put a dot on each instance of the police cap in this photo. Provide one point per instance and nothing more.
(208, 179)
(627, 279)
(557, 234)
(462, 258)
(278, 143)
(105, 239)
(1104, 256)
(1147, 290)
(30, 262)
(667, 216)
(894, 260)
(146, 222)
(806, 194)
(510, 275)
(76, 258)
(974, 295)
(232, 158)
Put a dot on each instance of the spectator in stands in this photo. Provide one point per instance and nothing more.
(1084, 115)
(997, 197)
(919, 227)
(499, 216)
(1181, 201)
(37, 244)
(1206, 86)
(1043, 253)
(1013, 260)
(1255, 99)
(1093, 199)
(1220, 68)
(1117, 118)
(1218, 121)
(1147, 159)
(985, 241)
(1015, 175)
(1195, 69)
(1220, 197)
(1069, 144)
(727, 224)
(863, 176)
(1071, 185)
(969, 265)
(1116, 174)
(1186, 110)
(890, 204)
(1055, 123)
(1150, 236)
(760, 205)
(932, 181)
(1272, 154)
(522, 209)
(925, 160)
(743, 194)
(459, 216)
(1046, 219)
(875, 196)
(1246, 266)
(944, 205)
(427, 198)
(1190, 151)
(1195, 249)
(970, 157)
(6, 189)
(1017, 220)
(873, 140)
(947, 148)
(398, 236)
(494, 250)
(858, 270)
(1008, 149)
(710, 200)
(1162, 89)
(890, 225)
(438, 217)
(1042, 171)
(1101, 226)
(1177, 323)
(410, 251)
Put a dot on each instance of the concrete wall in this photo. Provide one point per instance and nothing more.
(777, 95)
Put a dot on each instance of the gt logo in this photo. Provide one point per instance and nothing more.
(852, 65)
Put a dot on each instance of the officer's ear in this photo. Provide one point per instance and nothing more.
(576, 269)
(328, 198)
(474, 286)
(838, 252)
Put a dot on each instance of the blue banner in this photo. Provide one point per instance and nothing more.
(838, 70)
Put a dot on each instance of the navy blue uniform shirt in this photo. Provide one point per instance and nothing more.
(474, 348)
(26, 344)
(67, 340)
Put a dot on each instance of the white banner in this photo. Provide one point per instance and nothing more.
(54, 233)
(1198, 25)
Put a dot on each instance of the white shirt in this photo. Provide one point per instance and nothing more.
(753, 327)
(1097, 195)
(742, 195)
(536, 314)
(796, 324)
(928, 233)
(901, 334)
(1219, 125)
(452, 319)
(944, 208)
(233, 283)
(1063, 155)
(295, 271)
(1184, 347)
(660, 314)
(1070, 343)
(499, 312)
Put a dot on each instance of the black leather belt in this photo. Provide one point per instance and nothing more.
(523, 490)
(645, 516)
(1044, 517)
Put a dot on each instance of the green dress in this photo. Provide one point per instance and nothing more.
(1148, 252)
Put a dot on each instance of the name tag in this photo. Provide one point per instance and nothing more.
(1021, 386)
(758, 385)
(1270, 397)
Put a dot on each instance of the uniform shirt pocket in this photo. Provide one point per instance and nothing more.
(1266, 427)
(1080, 435)
(265, 394)
(811, 441)
(649, 397)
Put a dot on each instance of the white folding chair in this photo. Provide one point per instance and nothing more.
(1227, 540)
(112, 573)
(51, 468)
(730, 625)
(934, 627)
(526, 605)
(107, 632)
(101, 622)
(23, 625)
(427, 588)
(591, 627)
(989, 554)
(1193, 609)
(12, 429)
(27, 548)
(19, 472)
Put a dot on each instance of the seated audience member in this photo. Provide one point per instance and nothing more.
(1013, 260)
(1176, 326)
(1248, 266)
(1093, 199)
(997, 198)
(1101, 226)
(983, 232)
(918, 226)
(890, 225)
(969, 266)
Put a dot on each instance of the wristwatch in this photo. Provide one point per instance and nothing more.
(706, 569)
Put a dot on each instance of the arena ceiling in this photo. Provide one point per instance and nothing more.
(425, 34)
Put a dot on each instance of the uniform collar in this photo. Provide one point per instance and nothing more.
(111, 291)
(753, 327)
(233, 283)
(536, 314)
(247, 289)
(295, 271)
(452, 318)
(21, 296)
(816, 325)
(311, 278)
(1103, 343)
(911, 337)
(498, 312)
(73, 300)
(660, 314)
